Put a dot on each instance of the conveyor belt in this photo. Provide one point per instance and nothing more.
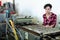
(38, 30)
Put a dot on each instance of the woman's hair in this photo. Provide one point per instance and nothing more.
(46, 5)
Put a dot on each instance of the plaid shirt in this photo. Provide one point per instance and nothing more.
(50, 21)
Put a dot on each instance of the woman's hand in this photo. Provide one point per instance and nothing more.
(47, 26)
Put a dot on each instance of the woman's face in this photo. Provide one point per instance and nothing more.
(47, 9)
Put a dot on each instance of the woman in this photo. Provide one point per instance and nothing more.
(49, 18)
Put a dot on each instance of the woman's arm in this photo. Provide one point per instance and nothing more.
(54, 21)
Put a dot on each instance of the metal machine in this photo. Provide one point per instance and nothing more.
(8, 30)
(2, 27)
(25, 21)
(35, 31)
